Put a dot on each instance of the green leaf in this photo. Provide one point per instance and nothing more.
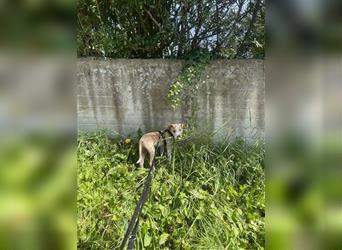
(147, 240)
(197, 194)
(163, 238)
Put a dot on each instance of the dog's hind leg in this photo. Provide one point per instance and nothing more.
(152, 154)
(141, 155)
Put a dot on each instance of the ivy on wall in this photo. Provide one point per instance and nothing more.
(185, 88)
(188, 78)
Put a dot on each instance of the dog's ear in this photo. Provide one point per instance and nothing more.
(170, 127)
(183, 125)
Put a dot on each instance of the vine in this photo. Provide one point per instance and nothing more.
(184, 89)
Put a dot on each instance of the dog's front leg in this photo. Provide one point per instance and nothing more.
(169, 150)
(161, 150)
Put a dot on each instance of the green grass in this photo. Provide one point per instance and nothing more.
(209, 197)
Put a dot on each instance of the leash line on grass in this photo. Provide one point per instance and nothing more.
(133, 225)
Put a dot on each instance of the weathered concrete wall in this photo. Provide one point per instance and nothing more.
(124, 95)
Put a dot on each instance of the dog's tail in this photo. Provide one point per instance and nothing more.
(140, 153)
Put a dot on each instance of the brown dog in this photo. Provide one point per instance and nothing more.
(149, 141)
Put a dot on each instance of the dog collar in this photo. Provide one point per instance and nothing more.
(163, 132)
(167, 130)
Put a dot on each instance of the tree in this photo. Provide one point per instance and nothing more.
(170, 28)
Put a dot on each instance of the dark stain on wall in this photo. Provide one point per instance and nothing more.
(90, 86)
(117, 103)
(146, 110)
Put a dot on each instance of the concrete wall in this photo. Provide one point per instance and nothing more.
(124, 95)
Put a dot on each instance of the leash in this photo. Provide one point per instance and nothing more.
(133, 225)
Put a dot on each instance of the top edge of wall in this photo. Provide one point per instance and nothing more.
(156, 59)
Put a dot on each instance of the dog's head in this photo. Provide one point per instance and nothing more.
(176, 129)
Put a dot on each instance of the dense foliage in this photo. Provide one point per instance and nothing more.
(170, 28)
(209, 197)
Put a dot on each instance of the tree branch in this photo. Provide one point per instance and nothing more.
(251, 24)
(153, 19)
